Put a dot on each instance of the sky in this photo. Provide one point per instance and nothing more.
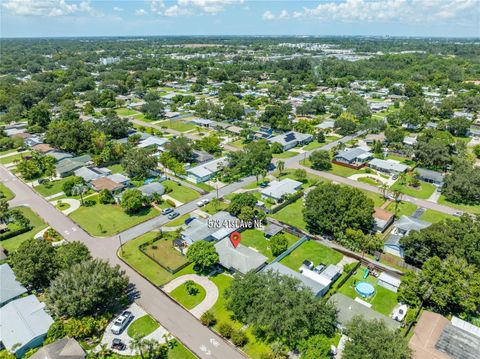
(58, 18)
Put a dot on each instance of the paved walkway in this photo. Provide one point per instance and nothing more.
(434, 197)
(74, 204)
(210, 288)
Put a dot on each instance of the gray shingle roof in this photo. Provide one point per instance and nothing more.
(290, 137)
(65, 348)
(458, 343)
(9, 286)
(352, 153)
(200, 229)
(388, 165)
(429, 174)
(242, 259)
(151, 188)
(411, 224)
(277, 189)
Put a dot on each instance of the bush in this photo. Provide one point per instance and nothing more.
(208, 319)
(225, 330)
(85, 327)
(348, 267)
(239, 338)
(69, 184)
(170, 202)
(106, 197)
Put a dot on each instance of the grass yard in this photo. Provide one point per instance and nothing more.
(255, 238)
(62, 206)
(6, 152)
(344, 171)
(383, 301)
(177, 125)
(52, 187)
(104, 220)
(424, 191)
(11, 244)
(189, 301)
(460, 207)
(131, 254)
(292, 214)
(286, 154)
(7, 194)
(404, 208)
(377, 199)
(313, 251)
(237, 143)
(179, 221)
(126, 112)
(205, 187)
(211, 208)
(142, 327)
(13, 158)
(369, 180)
(117, 168)
(433, 216)
(179, 192)
(179, 351)
(162, 250)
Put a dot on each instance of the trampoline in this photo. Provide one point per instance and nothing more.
(365, 289)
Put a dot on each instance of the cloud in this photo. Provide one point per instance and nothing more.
(404, 11)
(116, 8)
(267, 15)
(140, 12)
(50, 8)
(284, 15)
(157, 6)
(175, 10)
(209, 6)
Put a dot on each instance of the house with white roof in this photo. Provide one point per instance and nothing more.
(205, 171)
(388, 166)
(10, 288)
(277, 190)
(355, 157)
(153, 142)
(24, 325)
(241, 259)
(401, 229)
(216, 227)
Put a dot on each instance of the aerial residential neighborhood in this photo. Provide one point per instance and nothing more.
(239, 179)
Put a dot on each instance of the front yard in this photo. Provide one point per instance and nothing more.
(423, 191)
(312, 251)
(285, 154)
(189, 301)
(143, 326)
(179, 192)
(104, 220)
(51, 187)
(5, 191)
(177, 125)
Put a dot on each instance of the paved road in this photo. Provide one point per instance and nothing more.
(178, 321)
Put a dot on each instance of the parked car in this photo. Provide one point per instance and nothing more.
(458, 214)
(173, 215)
(118, 344)
(264, 184)
(167, 210)
(203, 202)
(122, 322)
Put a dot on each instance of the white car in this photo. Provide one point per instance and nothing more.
(121, 322)
(203, 202)
(400, 313)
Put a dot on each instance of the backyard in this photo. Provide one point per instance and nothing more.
(189, 301)
(162, 250)
(292, 214)
(104, 220)
(256, 239)
(312, 251)
(383, 301)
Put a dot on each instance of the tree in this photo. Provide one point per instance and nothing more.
(300, 174)
(210, 144)
(459, 126)
(331, 209)
(138, 162)
(476, 151)
(278, 244)
(346, 124)
(384, 344)
(434, 150)
(39, 116)
(358, 241)
(202, 254)
(70, 135)
(462, 183)
(72, 253)
(181, 149)
(91, 287)
(113, 126)
(132, 201)
(320, 137)
(208, 319)
(106, 197)
(320, 160)
(316, 347)
(70, 183)
(254, 158)
(153, 110)
(280, 167)
(35, 263)
(247, 215)
(291, 317)
(241, 200)
(276, 148)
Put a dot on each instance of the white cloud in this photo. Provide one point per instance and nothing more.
(284, 15)
(157, 6)
(116, 8)
(209, 6)
(267, 15)
(48, 7)
(140, 12)
(405, 11)
(175, 10)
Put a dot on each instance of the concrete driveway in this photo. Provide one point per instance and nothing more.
(137, 312)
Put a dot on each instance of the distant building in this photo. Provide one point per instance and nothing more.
(277, 190)
(67, 166)
(409, 141)
(241, 259)
(205, 171)
(326, 125)
(291, 139)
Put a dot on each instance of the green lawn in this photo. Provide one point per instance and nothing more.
(313, 251)
(424, 191)
(142, 327)
(126, 112)
(237, 143)
(179, 192)
(11, 244)
(6, 152)
(344, 171)
(377, 199)
(13, 158)
(460, 207)
(189, 301)
(256, 239)
(104, 220)
(117, 168)
(177, 125)
(180, 352)
(383, 301)
(210, 209)
(7, 194)
(404, 208)
(286, 154)
(162, 250)
(369, 180)
(178, 221)
(315, 144)
(292, 214)
(131, 254)
(433, 216)
(52, 187)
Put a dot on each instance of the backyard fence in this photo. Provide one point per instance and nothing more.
(291, 249)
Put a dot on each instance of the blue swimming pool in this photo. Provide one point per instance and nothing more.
(365, 289)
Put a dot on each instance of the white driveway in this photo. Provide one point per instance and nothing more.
(210, 289)
(72, 202)
(137, 312)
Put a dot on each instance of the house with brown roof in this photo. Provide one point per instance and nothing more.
(43, 148)
(106, 183)
(382, 219)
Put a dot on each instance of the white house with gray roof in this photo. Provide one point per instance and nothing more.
(291, 139)
(355, 156)
(10, 288)
(152, 188)
(402, 228)
(216, 227)
(24, 325)
(241, 259)
(205, 171)
(388, 166)
(276, 190)
(429, 176)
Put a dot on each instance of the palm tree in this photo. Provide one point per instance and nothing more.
(138, 344)
(384, 187)
(79, 190)
(281, 167)
(103, 352)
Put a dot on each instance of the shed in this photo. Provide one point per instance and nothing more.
(388, 281)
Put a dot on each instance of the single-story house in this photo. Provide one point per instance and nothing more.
(67, 166)
(348, 308)
(216, 227)
(388, 166)
(32, 140)
(272, 230)
(382, 219)
(326, 125)
(429, 176)
(409, 141)
(241, 259)
(318, 289)
(205, 171)
(60, 155)
(65, 348)
(120, 179)
(276, 190)
(43, 148)
(10, 288)
(153, 142)
(234, 129)
(202, 156)
(106, 183)
(291, 139)
(150, 189)
(24, 324)
(402, 228)
(171, 115)
(202, 122)
(375, 137)
(87, 174)
(356, 156)
(389, 282)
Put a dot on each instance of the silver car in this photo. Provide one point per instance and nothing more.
(121, 322)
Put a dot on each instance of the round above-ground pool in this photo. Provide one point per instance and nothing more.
(365, 289)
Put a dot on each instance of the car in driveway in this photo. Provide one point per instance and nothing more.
(173, 215)
(121, 322)
(167, 210)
